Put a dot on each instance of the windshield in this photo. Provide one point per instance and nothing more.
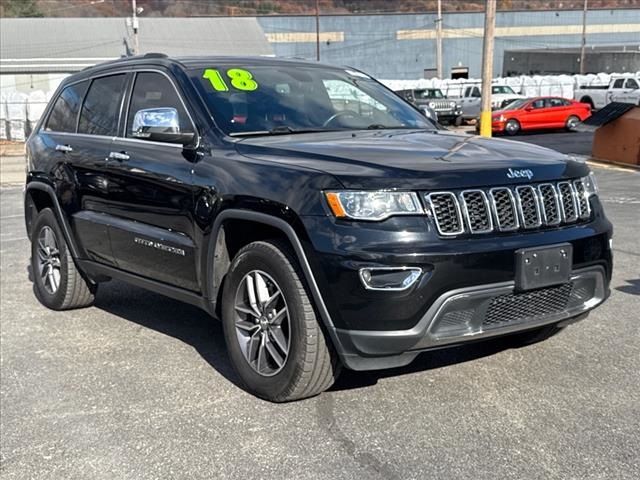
(263, 99)
(516, 104)
(498, 89)
(429, 93)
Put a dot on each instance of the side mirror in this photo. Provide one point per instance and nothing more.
(160, 125)
(528, 109)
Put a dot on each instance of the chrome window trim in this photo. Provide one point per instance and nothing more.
(585, 195)
(466, 215)
(542, 206)
(435, 217)
(537, 205)
(513, 205)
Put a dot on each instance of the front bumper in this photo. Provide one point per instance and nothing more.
(469, 314)
(380, 329)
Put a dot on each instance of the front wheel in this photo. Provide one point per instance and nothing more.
(275, 342)
(572, 122)
(512, 127)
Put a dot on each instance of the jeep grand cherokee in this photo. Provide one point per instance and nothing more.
(318, 215)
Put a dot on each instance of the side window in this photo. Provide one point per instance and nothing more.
(538, 103)
(476, 92)
(631, 83)
(101, 107)
(618, 83)
(154, 90)
(64, 114)
(557, 102)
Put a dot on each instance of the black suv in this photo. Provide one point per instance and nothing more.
(321, 217)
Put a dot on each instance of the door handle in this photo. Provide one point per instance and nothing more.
(64, 148)
(121, 156)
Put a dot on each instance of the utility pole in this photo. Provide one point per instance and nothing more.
(134, 24)
(439, 41)
(487, 67)
(317, 30)
(583, 67)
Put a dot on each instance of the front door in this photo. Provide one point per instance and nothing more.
(151, 192)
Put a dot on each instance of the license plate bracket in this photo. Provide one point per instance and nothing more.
(540, 267)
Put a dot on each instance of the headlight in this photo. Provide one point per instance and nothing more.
(501, 118)
(590, 185)
(452, 104)
(432, 104)
(373, 205)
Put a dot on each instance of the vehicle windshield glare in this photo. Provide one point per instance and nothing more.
(429, 93)
(278, 99)
(502, 89)
(516, 104)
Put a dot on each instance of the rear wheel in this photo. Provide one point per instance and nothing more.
(512, 127)
(57, 282)
(572, 122)
(275, 342)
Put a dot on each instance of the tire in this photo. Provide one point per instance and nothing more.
(572, 122)
(530, 337)
(458, 121)
(308, 365)
(587, 100)
(512, 127)
(57, 282)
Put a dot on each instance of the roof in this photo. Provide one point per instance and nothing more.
(71, 44)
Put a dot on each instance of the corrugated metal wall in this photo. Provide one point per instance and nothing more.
(402, 46)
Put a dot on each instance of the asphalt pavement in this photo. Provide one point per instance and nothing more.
(139, 387)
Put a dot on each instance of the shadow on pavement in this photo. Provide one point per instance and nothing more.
(633, 287)
(195, 327)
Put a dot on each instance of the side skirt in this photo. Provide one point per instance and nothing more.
(96, 270)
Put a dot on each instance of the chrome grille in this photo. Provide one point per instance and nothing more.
(584, 211)
(528, 207)
(446, 213)
(567, 195)
(509, 208)
(550, 204)
(504, 208)
(439, 105)
(476, 211)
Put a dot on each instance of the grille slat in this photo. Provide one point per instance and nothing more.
(528, 206)
(476, 211)
(509, 208)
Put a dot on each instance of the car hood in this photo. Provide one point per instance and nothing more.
(414, 159)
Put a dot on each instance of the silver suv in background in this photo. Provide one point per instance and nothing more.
(449, 111)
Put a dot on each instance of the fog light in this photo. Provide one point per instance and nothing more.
(389, 278)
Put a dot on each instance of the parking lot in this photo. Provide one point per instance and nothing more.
(139, 387)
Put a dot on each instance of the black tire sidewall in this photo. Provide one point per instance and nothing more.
(278, 267)
(46, 218)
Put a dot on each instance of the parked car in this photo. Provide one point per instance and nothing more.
(449, 111)
(537, 114)
(321, 236)
(501, 96)
(598, 96)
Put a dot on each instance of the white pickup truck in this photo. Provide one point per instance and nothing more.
(501, 96)
(599, 96)
(632, 96)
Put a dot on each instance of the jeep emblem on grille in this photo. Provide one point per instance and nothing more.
(524, 173)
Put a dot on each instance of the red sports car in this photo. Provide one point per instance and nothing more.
(539, 113)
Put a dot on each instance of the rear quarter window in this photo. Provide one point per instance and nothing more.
(64, 114)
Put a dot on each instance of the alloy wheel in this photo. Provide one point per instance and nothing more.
(49, 260)
(262, 323)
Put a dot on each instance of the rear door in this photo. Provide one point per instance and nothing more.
(81, 182)
(151, 190)
(559, 111)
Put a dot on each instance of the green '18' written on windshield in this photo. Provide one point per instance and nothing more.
(240, 79)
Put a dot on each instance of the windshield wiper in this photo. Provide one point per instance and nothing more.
(280, 130)
(380, 126)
